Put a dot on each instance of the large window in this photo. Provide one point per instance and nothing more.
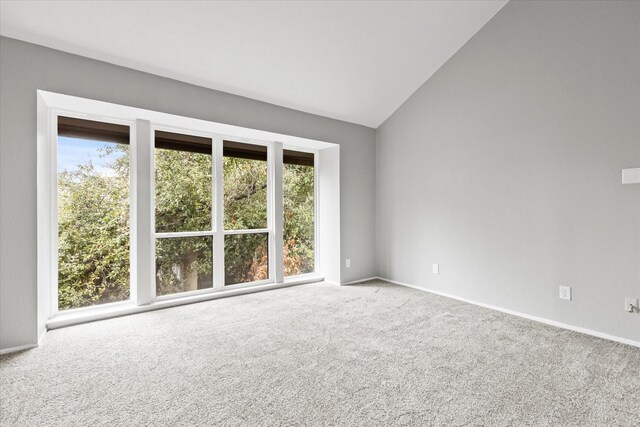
(183, 213)
(143, 212)
(93, 213)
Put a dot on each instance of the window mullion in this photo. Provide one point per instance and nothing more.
(218, 214)
(247, 231)
(277, 207)
(184, 234)
(143, 282)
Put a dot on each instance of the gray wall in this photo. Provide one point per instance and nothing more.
(25, 67)
(505, 167)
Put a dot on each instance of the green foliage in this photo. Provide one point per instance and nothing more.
(298, 219)
(183, 191)
(93, 236)
(183, 264)
(183, 203)
(245, 193)
(94, 225)
(246, 258)
(245, 207)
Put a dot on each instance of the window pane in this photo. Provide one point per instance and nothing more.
(183, 182)
(246, 258)
(183, 264)
(298, 176)
(245, 186)
(93, 213)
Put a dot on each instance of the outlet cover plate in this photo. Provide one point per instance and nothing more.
(435, 268)
(631, 176)
(565, 292)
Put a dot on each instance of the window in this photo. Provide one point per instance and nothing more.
(299, 212)
(245, 186)
(246, 258)
(183, 264)
(183, 183)
(246, 243)
(183, 213)
(138, 208)
(93, 213)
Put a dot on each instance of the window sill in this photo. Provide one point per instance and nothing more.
(123, 309)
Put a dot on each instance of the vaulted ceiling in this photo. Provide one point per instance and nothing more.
(354, 61)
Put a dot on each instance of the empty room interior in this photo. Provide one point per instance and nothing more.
(320, 213)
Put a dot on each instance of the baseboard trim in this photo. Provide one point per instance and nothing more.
(17, 348)
(353, 282)
(523, 315)
(469, 301)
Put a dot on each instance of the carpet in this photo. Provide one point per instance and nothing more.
(321, 355)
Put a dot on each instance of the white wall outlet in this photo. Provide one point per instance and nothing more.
(435, 268)
(348, 263)
(631, 305)
(565, 292)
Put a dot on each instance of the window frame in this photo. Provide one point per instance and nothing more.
(154, 235)
(133, 180)
(316, 195)
(142, 126)
(271, 214)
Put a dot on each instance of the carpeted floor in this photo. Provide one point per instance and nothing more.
(320, 355)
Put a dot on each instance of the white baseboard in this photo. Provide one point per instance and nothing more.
(24, 347)
(523, 315)
(353, 282)
(18, 348)
(480, 304)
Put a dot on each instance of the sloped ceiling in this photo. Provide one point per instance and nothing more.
(354, 61)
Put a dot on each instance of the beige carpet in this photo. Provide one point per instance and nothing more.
(321, 355)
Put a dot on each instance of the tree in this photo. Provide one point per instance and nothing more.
(298, 219)
(93, 234)
(183, 203)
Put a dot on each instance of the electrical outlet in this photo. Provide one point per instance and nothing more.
(435, 268)
(631, 305)
(348, 263)
(565, 292)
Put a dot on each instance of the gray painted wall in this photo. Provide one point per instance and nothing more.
(505, 167)
(25, 67)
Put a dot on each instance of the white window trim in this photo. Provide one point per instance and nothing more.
(54, 113)
(142, 125)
